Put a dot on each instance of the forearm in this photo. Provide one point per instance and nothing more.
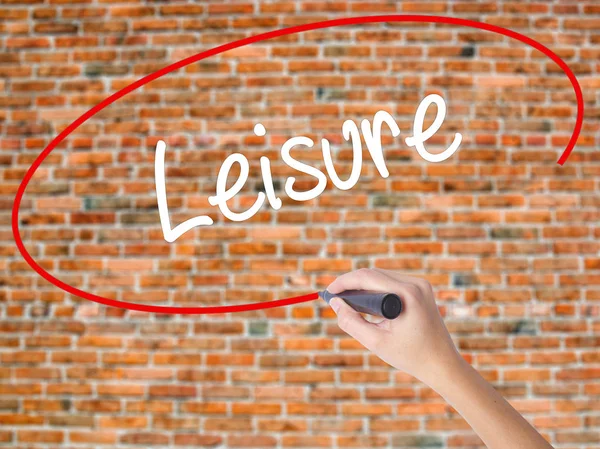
(494, 420)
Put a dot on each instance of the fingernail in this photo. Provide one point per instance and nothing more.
(335, 304)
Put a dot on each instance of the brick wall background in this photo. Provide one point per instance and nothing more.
(508, 238)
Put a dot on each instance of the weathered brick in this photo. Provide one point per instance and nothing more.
(507, 237)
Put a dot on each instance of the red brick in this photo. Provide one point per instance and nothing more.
(507, 237)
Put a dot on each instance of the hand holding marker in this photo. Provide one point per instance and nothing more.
(419, 344)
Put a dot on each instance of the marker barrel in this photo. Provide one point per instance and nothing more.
(386, 305)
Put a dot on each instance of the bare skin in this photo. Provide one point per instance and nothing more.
(418, 343)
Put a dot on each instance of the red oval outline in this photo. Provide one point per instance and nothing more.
(240, 43)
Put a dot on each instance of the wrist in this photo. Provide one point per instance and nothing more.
(446, 372)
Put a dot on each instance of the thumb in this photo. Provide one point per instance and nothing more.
(352, 322)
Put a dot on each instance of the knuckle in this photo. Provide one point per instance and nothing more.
(424, 286)
(364, 272)
(429, 288)
(413, 290)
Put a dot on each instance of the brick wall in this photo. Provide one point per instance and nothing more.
(508, 238)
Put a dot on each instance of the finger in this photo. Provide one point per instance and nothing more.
(373, 319)
(397, 276)
(352, 322)
(423, 284)
(403, 277)
(363, 279)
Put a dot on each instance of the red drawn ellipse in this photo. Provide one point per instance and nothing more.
(240, 43)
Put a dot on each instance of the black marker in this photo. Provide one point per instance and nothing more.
(387, 305)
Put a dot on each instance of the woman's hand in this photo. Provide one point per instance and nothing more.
(416, 342)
